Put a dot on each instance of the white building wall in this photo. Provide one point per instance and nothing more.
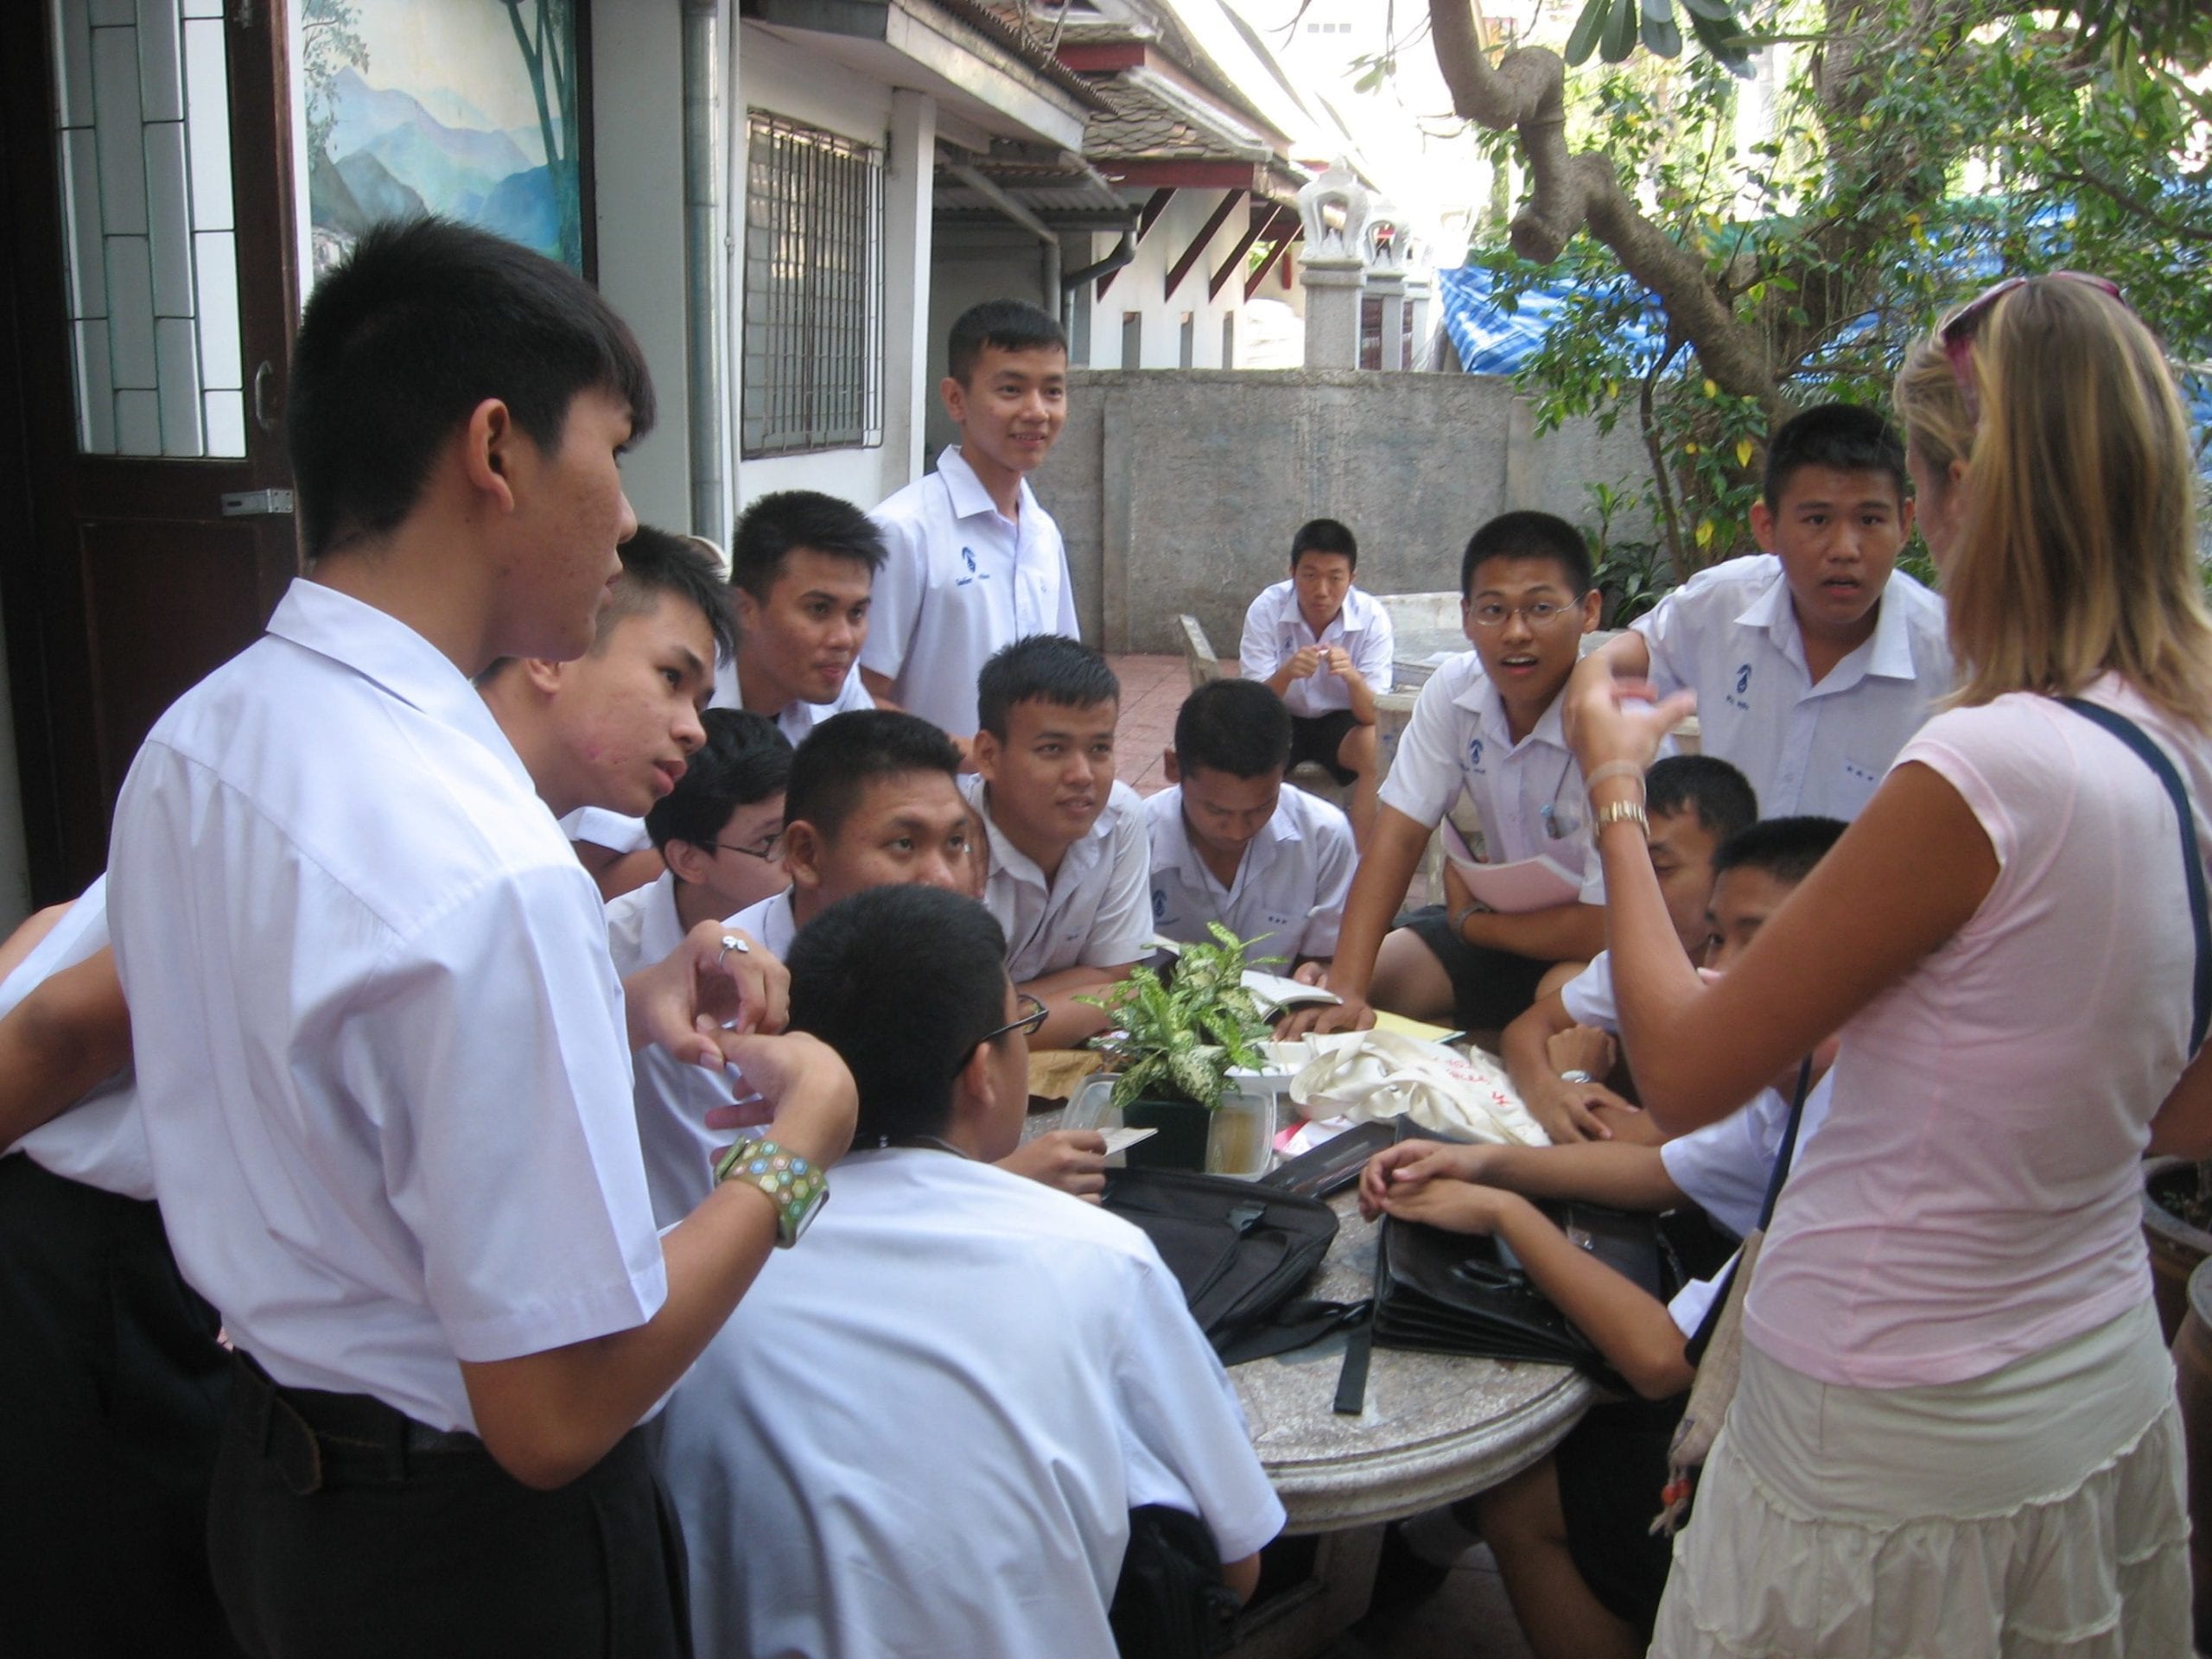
(1141, 289)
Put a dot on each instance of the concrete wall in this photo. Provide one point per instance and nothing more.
(1180, 491)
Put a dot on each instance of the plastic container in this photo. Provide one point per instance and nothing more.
(1239, 1142)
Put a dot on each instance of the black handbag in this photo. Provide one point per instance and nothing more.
(1170, 1602)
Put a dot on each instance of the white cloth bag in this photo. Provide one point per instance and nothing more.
(1383, 1074)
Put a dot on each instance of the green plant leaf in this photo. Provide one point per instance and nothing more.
(1619, 37)
(1583, 40)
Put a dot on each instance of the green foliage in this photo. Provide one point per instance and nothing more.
(1634, 576)
(1181, 1038)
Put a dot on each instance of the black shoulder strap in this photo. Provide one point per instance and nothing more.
(2192, 862)
(1700, 1339)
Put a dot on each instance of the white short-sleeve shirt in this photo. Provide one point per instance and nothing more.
(1275, 630)
(621, 834)
(672, 1097)
(1731, 635)
(921, 1433)
(101, 1141)
(1529, 795)
(380, 1039)
(1096, 911)
(962, 580)
(1288, 898)
(770, 921)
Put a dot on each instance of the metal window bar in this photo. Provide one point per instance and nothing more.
(813, 306)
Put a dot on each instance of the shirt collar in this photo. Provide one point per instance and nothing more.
(1181, 854)
(966, 492)
(1891, 656)
(1479, 696)
(1005, 856)
(383, 650)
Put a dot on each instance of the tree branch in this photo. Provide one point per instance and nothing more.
(2135, 206)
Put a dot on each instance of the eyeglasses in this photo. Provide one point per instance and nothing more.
(767, 847)
(1959, 327)
(1033, 1016)
(1540, 614)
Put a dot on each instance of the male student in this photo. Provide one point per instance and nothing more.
(1572, 1533)
(802, 568)
(118, 1563)
(427, 1229)
(1487, 722)
(1230, 844)
(1323, 646)
(1695, 804)
(1814, 659)
(974, 561)
(925, 1436)
(1068, 870)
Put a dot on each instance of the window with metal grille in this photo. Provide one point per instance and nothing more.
(813, 290)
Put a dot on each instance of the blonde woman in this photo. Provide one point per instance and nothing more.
(1955, 1432)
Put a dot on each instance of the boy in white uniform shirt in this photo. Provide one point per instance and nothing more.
(975, 563)
(1572, 1532)
(1815, 660)
(1487, 722)
(926, 1439)
(428, 1230)
(802, 568)
(1068, 871)
(1324, 647)
(1230, 844)
(118, 1563)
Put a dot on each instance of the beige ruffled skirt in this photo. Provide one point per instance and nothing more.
(2033, 1513)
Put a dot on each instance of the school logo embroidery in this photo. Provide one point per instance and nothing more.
(968, 554)
(1158, 903)
(1735, 699)
(1474, 754)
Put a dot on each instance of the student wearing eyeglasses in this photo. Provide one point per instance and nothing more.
(1486, 723)
(1814, 659)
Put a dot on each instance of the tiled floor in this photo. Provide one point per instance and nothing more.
(1153, 689)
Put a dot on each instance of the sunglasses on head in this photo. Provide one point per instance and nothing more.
(1958, 329)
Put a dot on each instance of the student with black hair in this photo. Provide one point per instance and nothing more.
(1696, 804)
(1814, 659)
(1488, 724)
(1322, 646)
(926, 1434)
(1572, 1533)
(1068, 872)
(975, 563)
(427, 1228)
(1230, 844)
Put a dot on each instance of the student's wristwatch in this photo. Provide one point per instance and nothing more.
(793, 1184)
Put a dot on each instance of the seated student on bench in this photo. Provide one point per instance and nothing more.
(1571, 1533)
(1068, 877)
(1695, 804)
(1487, 723)
(1230, 844)
(926, 1437)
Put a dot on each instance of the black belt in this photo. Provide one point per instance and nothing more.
(313, 1435)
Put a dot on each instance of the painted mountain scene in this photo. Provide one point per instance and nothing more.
(466, 108)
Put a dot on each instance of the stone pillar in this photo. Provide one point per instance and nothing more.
(1332, 265)
(1421, 300)
(1389, 287)
(1333, 296)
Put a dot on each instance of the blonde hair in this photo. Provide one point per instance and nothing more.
(2076, 552)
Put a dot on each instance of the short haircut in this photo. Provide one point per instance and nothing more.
(1050, 666)
(1842, 436)
(1721, 797)
(1528, 535)
(1786, 848)
(1010, 325)
(789, 521)
(423, 320)
(843, 754)
(656, 563)
(902, 981)
(1324, 536)
(745, 758)
(1237, 727)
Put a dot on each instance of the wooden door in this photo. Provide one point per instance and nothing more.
(149, 293)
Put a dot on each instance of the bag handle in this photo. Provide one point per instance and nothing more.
(1693, 1350)
(2192, 862)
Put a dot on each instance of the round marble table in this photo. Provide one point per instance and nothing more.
(1435, 1428)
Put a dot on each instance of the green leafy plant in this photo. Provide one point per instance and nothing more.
(1180, 1037)
(1634, 576)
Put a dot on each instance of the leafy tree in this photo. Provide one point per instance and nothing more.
(1922, 148)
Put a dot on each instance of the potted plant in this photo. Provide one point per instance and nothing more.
(1178, 1038)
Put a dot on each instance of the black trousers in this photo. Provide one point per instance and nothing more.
(112, 1391)
(339, 1529)
(1489, 988)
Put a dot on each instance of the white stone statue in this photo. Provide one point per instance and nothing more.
(1341, 186)
(1386, 241)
